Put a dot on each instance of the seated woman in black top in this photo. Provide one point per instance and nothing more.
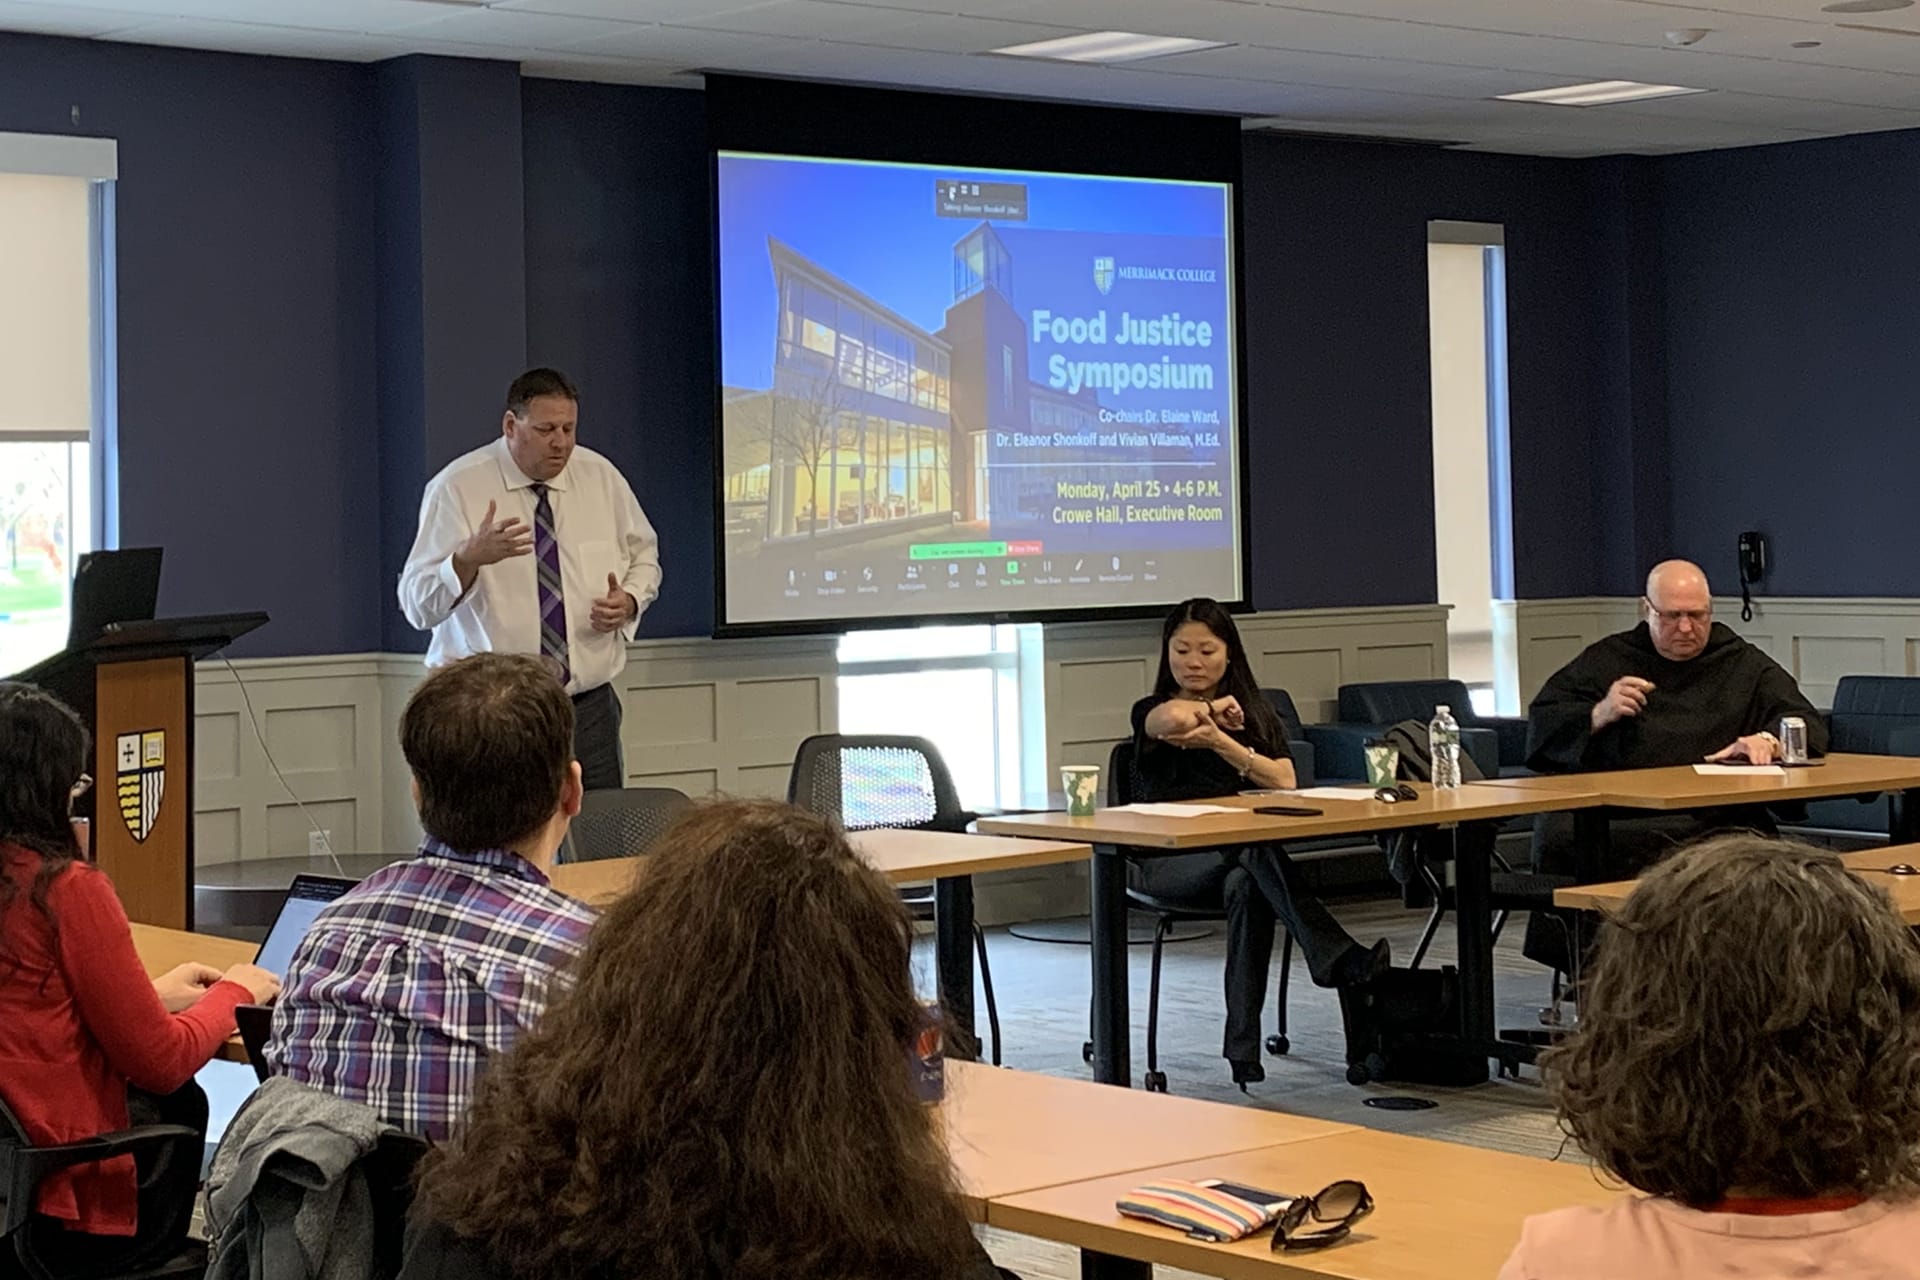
(725, 1094)
(1207, 730)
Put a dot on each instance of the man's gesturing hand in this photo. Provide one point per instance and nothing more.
(614, 609)
(1627, 697)
(491, 543)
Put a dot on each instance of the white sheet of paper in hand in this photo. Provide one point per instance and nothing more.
(1742, 770)
(1174, 810)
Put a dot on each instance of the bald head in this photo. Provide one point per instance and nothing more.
(1679, 609)
(1676, 575)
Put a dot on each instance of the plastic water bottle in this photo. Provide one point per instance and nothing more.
(1443, 746)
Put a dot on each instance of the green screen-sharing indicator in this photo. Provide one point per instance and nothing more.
(956, 550)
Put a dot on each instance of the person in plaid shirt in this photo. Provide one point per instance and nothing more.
(407, 985)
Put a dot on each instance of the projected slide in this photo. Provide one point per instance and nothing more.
(966, 391)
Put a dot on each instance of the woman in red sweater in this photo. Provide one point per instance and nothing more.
(88, 1043)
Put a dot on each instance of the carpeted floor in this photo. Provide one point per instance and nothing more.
(1042, 989)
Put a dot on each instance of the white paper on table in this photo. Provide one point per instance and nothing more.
(1332, 793)
(1742, 770)
(1174, 810)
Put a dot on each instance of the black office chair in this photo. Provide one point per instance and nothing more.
(1167, 913)
(622, 822)
(1511, 891)
(23, 1167)
(255, 1022)
(863, 781)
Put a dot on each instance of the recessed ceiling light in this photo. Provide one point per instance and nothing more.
(1598, 94)
(1109, 46)
(1865, 6)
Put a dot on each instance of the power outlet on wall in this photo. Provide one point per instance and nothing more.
(319, 843)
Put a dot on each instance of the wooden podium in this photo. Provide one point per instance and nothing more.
(133, 685)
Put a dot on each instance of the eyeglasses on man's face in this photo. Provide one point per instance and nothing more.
(1674, 617)
(81, 785)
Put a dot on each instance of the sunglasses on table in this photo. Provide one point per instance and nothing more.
(1395, 794)
(1327, 1217)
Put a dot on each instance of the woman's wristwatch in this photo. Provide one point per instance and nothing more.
(1246, 766)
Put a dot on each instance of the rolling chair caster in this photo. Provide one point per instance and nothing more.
(1156, 1082)
(1374, 1067)
(1086, 1051)
(1278, 1045)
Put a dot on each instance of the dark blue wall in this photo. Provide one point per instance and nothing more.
(620, 295)
(246, 314)
(1793, 359)
(319, 275)
(453, 302)
(1340, 456)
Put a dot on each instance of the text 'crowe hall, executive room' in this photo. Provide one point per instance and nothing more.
(852, 639)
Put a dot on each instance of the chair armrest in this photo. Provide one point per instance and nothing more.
(1339, 750)
(1484, 746)
(1303, 758)
(1904, 741)
(1512, 734)
(23, 1169)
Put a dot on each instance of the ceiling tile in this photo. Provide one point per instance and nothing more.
(577, 66)
(688, 46)
(948, 33)
(812, 20)
(64, 20)
(514, 30)
(1407, 67)
(258, 38)
(634, 10)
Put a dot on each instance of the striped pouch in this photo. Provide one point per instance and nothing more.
(1205, 1213)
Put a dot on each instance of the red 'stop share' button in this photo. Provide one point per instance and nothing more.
(1024, 548)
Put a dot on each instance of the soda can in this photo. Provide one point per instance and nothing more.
(1793, 740)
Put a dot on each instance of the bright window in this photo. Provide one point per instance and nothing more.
(975, 692)
(55, 352)
(46, 522)
(1472, 531)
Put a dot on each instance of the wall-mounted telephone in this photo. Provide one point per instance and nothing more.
(1753, 567)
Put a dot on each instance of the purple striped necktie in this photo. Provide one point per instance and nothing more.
(553, 605)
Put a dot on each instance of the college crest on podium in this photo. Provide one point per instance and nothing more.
(140, 777)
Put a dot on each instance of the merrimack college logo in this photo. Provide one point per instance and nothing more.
(140, 776)
(1103, 274)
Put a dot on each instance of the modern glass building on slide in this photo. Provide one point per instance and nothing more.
(874, 425)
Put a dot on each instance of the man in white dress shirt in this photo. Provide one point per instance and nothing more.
(531, 545)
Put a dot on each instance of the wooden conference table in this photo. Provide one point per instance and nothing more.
(1592, 798)
(1048, 1157)
(949, 859)
(1441, 1210)
(163, 949)
(1015, 1131)
(1114, 830)
(1681, 787)
(1871, 864)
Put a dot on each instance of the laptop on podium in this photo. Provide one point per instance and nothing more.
(111, 587)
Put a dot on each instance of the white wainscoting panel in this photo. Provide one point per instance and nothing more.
(706, 716)
(1096, 671)
(1545, 635)
(325, 723)
(1817, 639)
(725, 716)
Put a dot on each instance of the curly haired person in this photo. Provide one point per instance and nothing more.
(1749, 1057)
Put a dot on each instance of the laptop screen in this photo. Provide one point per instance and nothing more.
(112, 586)
(305, 899)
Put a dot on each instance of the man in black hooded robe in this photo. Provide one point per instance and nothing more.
(1678, 689)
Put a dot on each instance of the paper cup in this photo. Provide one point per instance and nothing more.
(1383, 764)
(1081, 782)
(927, 1060)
